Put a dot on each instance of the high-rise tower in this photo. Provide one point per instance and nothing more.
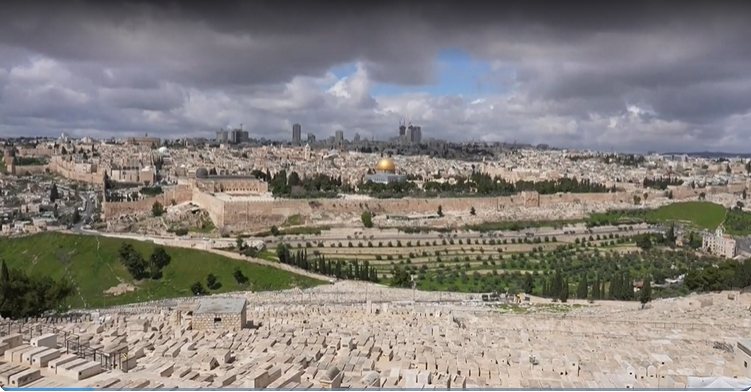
(296, 134)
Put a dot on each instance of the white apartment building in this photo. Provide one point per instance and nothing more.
(719, 244)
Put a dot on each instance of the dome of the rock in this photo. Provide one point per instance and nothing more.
(386, 165)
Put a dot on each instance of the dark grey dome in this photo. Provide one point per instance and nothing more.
(202, 173)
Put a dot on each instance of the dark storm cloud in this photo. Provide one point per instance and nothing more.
(207, 64)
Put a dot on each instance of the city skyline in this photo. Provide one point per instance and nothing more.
(582, 76)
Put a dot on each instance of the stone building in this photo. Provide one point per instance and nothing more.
(132, 174)
(719, 244)
(743, 356)
(220, 313)
(228, 183)
(145, 141)
(10, 166)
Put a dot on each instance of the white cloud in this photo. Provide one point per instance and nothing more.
(174, 74)
(322, 105)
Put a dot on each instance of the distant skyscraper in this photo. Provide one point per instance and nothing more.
(296, 134)
(235, 136)
(339, 136)
(415, 134)
(357, 137)
(311, 138)
(222, 136)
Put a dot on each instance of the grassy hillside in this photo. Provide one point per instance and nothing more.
(701, 214)
(93, 264)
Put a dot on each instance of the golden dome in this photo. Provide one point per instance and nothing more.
(386, 165)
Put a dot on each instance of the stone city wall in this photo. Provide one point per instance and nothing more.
(27, 170)
(215, 207)
(239, 215)
(112, 210)
(35, 152)
(687, 192)
(66, 169)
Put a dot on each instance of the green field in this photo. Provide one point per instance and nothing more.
(93, 264)
(700, 214)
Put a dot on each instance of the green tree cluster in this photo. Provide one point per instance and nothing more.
(340, 269)
(239, 276)
(557, 287)
(197, 289)
(400, 277)
(157, 209)
(661, 183)
(621, 287)
(151, 190)
(140, 268)
(367, 219)
(725, 276)
(737, 221)
(23, 295)
(316, 186)
(212, 282)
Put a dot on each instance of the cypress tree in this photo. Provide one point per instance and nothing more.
(615, 287)
(645, 295)
(583, 289)
(338, 269)
(596, 288)
(529, 284)
(4, 273)
(556, 285)
(564, 291)
(628, 287)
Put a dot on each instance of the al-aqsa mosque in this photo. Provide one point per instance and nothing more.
(385, 173)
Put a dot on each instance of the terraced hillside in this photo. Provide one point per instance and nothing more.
(488, 262)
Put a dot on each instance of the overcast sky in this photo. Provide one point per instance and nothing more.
(628, 75)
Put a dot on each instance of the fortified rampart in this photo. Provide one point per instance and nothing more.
(211, 204)
(180, 194)
(27, 170)
(68, 170)
(39, 151)
(247, 214)
(239, 215)
(688, 192)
